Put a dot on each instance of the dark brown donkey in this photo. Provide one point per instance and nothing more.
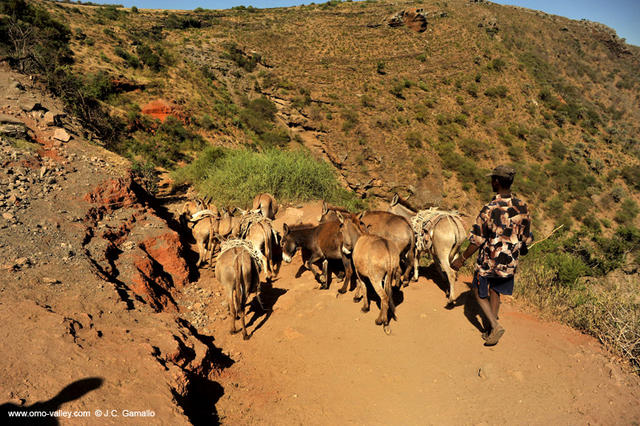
(375, 260)
(317, 243)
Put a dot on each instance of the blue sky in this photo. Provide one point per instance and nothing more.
(621, 15)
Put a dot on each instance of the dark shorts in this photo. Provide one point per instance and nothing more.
(500, 285)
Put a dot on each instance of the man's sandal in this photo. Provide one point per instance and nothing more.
(494, 336)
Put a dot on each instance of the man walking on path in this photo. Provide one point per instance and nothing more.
(502, 232)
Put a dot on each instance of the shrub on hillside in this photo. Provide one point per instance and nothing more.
(414, 139)
(247, 62)
(131, 60)
(553, 278)
(497, 92)
(233, 177)
(170, 143)
(148, 57)
(631, 175)
(498, 64)
(627, 212)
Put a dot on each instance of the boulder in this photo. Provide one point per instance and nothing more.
(415, 19)
(412, 18)
(12, 127)
(52, 118)
(30, 105)
(62, 135)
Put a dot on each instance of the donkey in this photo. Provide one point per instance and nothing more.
(205, 218)
(386, 225)
(395, 229)
(229, 225)
(444, 232)
(317, 243)
(376, 260)
(204, 231)
(238, 275)
(193, 206)
(264, 238)
(267, 205)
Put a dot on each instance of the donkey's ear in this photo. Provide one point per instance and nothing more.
(285, 229)
(340, 217)
(325, 209)
(359, 216)
(394, 200)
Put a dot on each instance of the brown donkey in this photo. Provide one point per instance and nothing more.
(267, 205)
(265, 239)
(396, 230)
(317, 243)
(376, 260)
(238, 275)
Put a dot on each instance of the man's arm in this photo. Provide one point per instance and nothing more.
(459, 261)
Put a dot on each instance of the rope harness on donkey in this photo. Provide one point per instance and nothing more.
(249, 219)
(424, 224)
(198, 216)
(254, 252)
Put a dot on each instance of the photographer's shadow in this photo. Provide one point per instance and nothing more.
(75, 390)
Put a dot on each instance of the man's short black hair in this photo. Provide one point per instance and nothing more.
(504, 182)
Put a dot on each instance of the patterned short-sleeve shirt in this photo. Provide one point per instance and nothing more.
(503, 231)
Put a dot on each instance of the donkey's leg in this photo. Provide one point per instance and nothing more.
(245, 336)
(365, 296)
(348, 272)
(232, 311)
(409, 267)
(416, 265)
(202, 251)
(325, 273)
(383, 317)
(451, 278)
(310, 262)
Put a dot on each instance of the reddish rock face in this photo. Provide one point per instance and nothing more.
(139, 248)
(114, 194)
(161, 109)
(150, 283)
(166, 249)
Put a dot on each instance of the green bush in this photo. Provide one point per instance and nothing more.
(553, 280)
(473, 148)
(497, 64)
(631, 175)
(170, 143)
(627, 212)
(497, 92)
(148, 57)
(247, 62)
(175, 22)
(234, 177)
(350, 118)
(99, 86)
(581, 208)
(467, 169)
(130, 59)
(414, 139)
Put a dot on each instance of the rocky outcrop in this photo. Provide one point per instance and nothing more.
(415, 19)
(12, 127)
(161, 109)
(132, 246)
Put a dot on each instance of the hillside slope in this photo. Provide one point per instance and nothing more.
(424, 114)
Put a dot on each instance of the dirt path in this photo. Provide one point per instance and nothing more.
(318, 360)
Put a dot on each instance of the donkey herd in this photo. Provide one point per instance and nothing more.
(379, 249)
